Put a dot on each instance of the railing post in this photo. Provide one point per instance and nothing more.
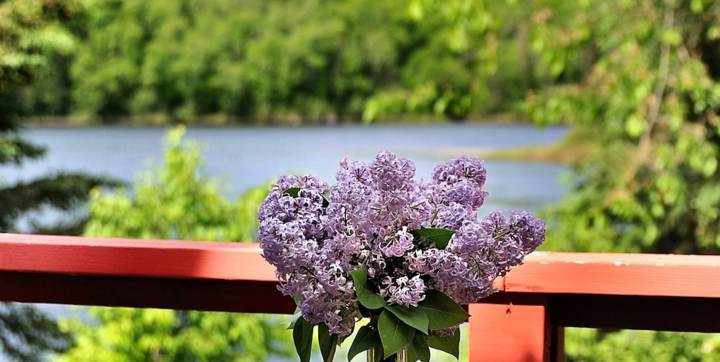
(513, 333)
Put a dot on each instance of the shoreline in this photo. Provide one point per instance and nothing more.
(567, 150)
(153, 121)
(574, 148)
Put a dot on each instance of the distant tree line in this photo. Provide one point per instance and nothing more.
(286, 61)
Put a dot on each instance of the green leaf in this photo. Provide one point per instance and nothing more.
(441, 310)
(293, 191)
(415, 317)
(365, 296)
(328, 342)
(294, 319)
(302, 337)
(418, 349)
(394, 334)
(449, 344)
(365, 339)
(435, 236)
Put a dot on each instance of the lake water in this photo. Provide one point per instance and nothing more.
(245, 157)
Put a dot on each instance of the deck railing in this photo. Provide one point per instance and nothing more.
(523, 322)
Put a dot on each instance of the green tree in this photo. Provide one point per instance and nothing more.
(638, 346)
(651, 97)
(261, 59)
(290, 61)
(31, 31)
(176, 201)
(641, 79)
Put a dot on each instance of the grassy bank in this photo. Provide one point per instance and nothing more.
(575, 148)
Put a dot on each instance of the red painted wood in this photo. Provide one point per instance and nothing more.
(550, 291)
(130, 257)
(682, 314)
(652, 313)
(544, 273)
(616, 274)
(144, 292)
(510, 333)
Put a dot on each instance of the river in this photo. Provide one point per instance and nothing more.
(245, 157)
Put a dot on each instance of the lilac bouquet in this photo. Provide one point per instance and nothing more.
(402, 254)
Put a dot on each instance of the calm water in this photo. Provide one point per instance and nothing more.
(244, 157)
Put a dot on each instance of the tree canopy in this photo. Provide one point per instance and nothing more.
(286, 61)
(30, 33)
(649, 97)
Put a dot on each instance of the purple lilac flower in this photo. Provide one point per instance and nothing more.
(450, 274)
(468, 168)
(528, 229)
(399, 244)
(317, 235)
(453, 216)
(389, 172)
(462, 181)
(404, 291)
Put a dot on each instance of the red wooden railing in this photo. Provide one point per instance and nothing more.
(523, 322)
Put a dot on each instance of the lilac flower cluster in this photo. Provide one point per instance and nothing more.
(316, 234)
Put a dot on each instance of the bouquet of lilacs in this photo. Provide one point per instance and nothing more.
(401, 255)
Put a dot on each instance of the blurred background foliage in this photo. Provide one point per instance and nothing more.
(32, 32)
(225, 61)
(637, 82)
(175, 201)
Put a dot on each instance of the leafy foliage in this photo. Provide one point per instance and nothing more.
(257, 59)
(31, 33)
(27, 333)
(175, 201)
(629, 345)
(640, 82)
(414, 317)
(643, 77)
(285, 61)
(328, 343)
(439, 237)
(449, 344)
(365, 339)
(60, 191)
(442, 311)
(366, 297)
(394, 333)
(651, 96)
(303, 337)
